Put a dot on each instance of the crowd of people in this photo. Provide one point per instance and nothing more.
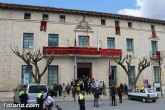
(80, 88)
(86, 86)
(75, 86)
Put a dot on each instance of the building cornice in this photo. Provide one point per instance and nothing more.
(19, 7)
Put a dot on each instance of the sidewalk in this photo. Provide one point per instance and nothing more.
(8, 97)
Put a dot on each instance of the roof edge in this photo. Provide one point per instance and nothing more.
(9, 6)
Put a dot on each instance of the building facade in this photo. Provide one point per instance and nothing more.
(83, 43)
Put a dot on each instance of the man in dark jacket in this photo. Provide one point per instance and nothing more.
(119, 90)
(113, 95)
(23, 97)
(96, 97)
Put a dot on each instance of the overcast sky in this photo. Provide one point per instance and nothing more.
(141, 8)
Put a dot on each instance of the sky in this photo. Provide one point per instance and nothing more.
(141, 8)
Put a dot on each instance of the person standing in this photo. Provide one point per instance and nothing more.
(104, 89)
(78, 87)
(119, 90)
(81, 100)
(60, 89)
(40, 99)
(55, 90)
(125, 89)
(113, 95)
(23, 97)
(63, 90)
(96, 97)
(68, 88)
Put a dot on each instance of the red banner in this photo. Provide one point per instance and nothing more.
(153, 34)
(158, 54)
(117, 30)
(43, 26)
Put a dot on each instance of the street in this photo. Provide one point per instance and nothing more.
(126, 105)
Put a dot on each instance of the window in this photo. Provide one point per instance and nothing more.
(27, 15)
(154, 48)
(53, 74)
(110, 42)
(53, 40)
(28, 40)
(103, 22)
(130, 24)
(83, 41)
(62, 18)
(156, 74)
(132, 74)
(37, 89)
(26, 76)
(129, 45)
(45, 17)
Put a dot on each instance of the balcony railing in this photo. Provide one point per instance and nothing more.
(81, 51)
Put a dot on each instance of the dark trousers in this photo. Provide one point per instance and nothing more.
(82, 104)
(24, 102)
(68, 92)
(120, 98)
(88, 90)
(60, 94)
(113, 100)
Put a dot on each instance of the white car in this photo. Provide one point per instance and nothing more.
(143, 94)
(32, 92)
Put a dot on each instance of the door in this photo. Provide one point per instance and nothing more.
(84, 70)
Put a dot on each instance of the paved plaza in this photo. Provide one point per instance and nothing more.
(126, 105)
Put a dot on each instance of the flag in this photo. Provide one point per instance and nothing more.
(109, 68)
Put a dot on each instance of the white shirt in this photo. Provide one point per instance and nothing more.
(49, 100)
(97, 84)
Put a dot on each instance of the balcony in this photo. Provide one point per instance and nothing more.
(156, 55)
(80, 51)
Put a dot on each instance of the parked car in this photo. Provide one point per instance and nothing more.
(32, 92)
(143, 94)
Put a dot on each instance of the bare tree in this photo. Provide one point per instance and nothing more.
(32, 59)
(125, 63)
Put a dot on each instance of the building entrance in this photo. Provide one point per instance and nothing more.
(84, 70)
